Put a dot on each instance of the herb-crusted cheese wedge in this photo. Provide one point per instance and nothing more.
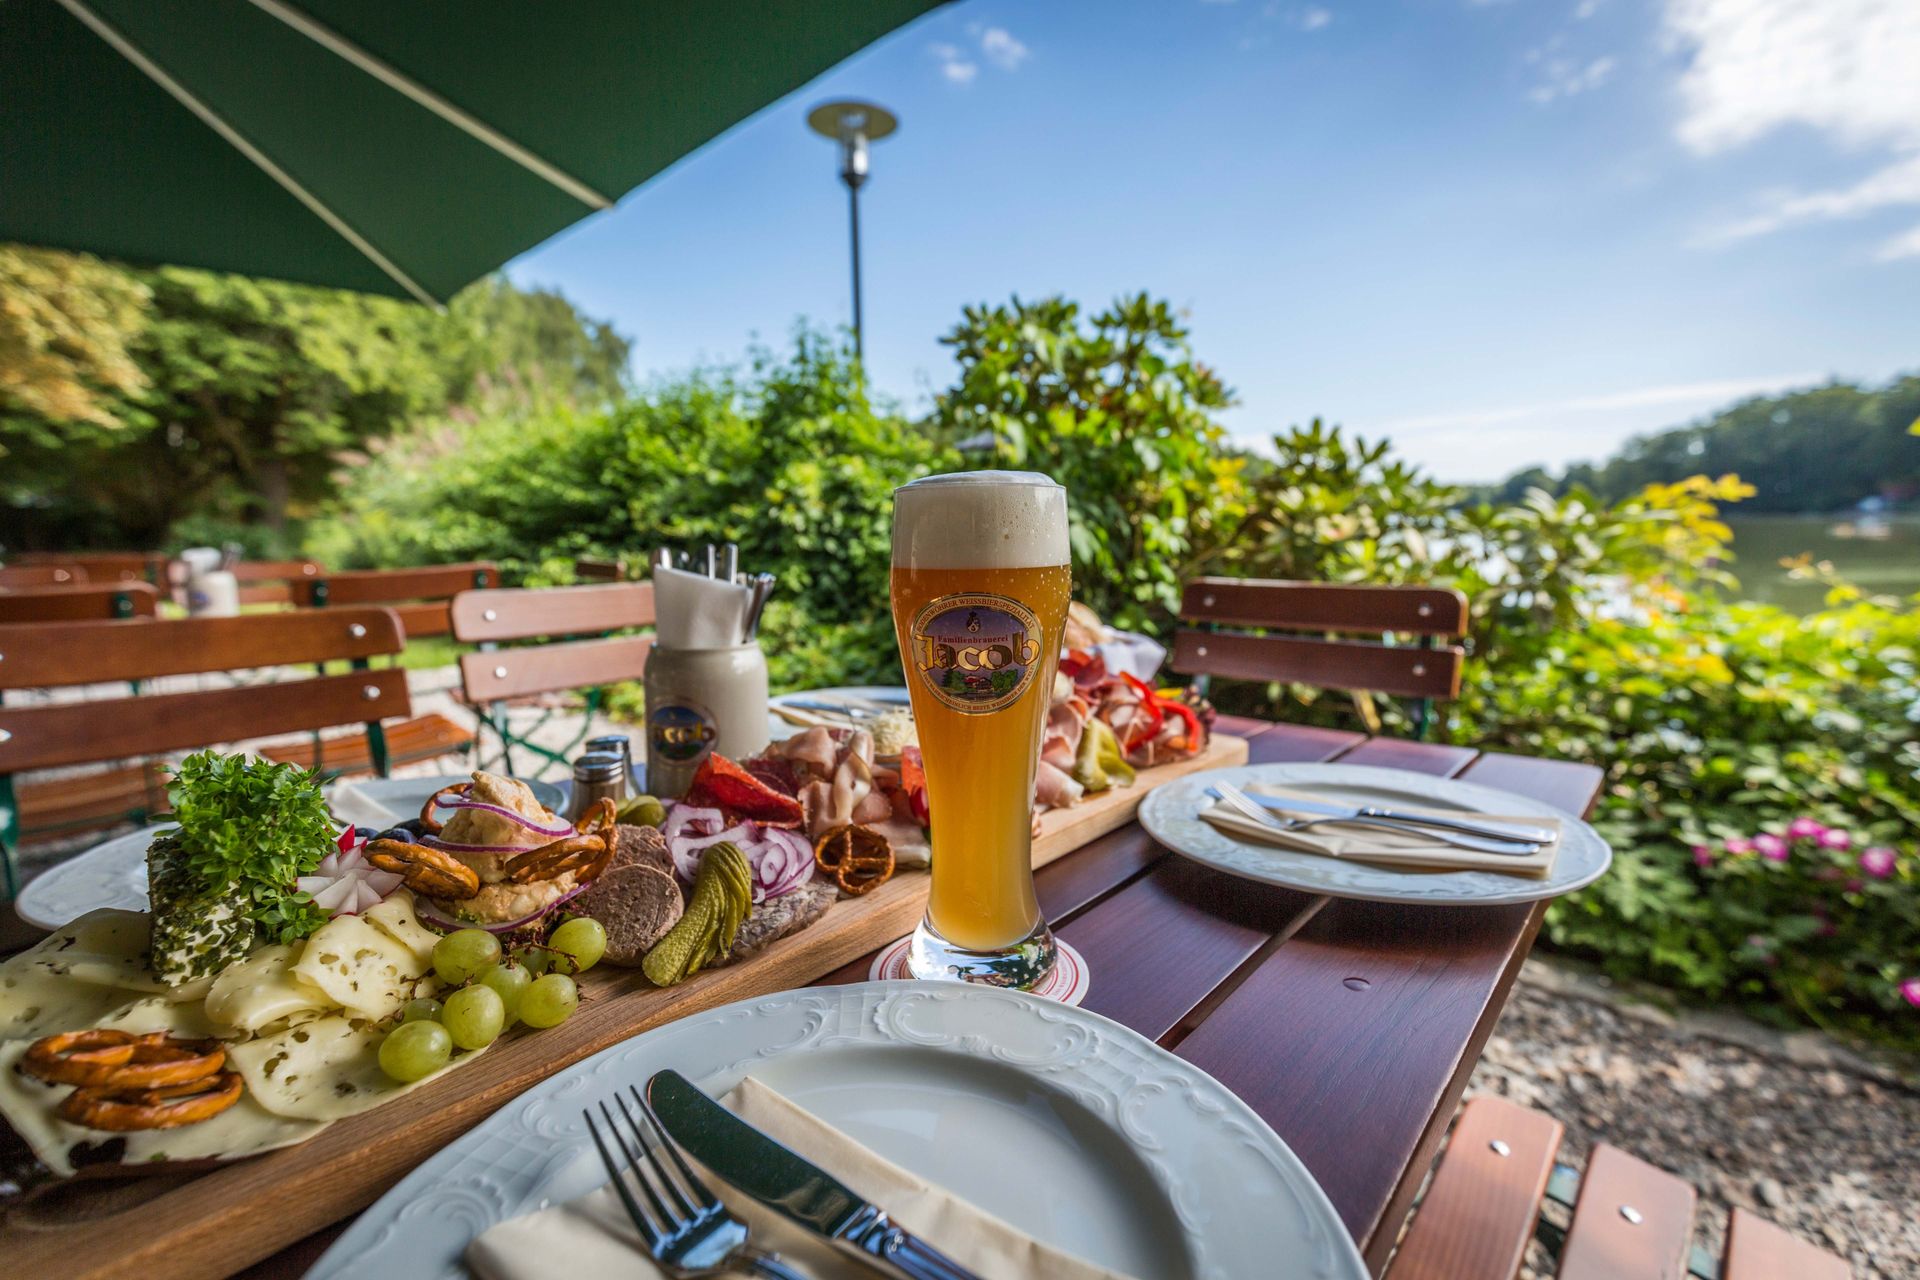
(198, 928)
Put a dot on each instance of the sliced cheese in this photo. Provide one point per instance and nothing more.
(263, 989)
(395, 917)
(105, 947)
(29, 1107)
(361, 968)
(35, 1003)
(323, 1070)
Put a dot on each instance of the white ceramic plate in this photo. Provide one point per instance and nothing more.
(114, 872)
(1065, 1124)
(1171, 815)
(886, 695)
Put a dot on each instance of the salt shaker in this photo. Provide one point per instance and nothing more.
(597, 774)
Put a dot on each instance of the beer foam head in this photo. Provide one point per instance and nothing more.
(980, 520)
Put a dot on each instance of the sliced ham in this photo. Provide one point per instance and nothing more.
(1055, 788)
(813, 748)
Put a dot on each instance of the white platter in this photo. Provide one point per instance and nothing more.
(114, 872)
(1171, 815)
(1065, 1124)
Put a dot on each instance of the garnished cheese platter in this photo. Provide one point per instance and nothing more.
(327, 1007)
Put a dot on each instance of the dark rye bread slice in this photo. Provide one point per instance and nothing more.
(636, 904)
(775, 918)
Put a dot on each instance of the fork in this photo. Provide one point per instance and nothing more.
(689, 1233)
(1238, 800)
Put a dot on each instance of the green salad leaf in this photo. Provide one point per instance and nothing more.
(257, 824)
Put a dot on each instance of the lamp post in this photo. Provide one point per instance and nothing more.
(853, 125)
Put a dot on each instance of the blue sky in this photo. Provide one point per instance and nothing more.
(1502, 232)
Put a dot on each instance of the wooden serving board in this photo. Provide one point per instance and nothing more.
(182, 1227)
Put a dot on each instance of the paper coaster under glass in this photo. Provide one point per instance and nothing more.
(1067, 983)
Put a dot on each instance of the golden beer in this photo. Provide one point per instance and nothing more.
(980, 590)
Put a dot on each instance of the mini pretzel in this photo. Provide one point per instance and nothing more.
(79, 1057)
(585, 853)
(434, 872)
(858, 858)
(429, 824)
(163, 1107)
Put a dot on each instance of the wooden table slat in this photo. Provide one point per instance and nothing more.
(1561, 783)
(1436, 758)
(1300, 743)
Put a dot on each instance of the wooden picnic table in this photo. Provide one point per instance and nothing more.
(1351, 1027)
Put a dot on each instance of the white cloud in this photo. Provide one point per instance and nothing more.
(1315, 19)
(1002, 49)
(1844, 68)
(1566, 77)
(1690, 393)
(954, 63)
(1585, 9)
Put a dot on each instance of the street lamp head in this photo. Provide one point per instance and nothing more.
(853, 124)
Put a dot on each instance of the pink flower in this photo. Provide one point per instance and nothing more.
(1910, 991)
(1834, 838)
(1771, 847)
(1739, 844)
(1804, 829)
(1702, 855)
(1854, 886)
(1878, 862)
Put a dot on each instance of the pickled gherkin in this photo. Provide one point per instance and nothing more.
(722, 899)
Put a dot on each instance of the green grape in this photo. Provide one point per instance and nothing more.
(550, 1001)
(465, 954)
(583, 939)
(475, 1016)
(421, 1009)
(415, 1050)
(509, 981)
(643, 811)
(537, 960)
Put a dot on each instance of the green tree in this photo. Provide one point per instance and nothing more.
(1119, 412)
(66, 321)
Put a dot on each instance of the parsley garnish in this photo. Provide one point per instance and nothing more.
(257, 824)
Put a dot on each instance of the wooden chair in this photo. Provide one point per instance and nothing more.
(104, 566)
(494, 676)
(587, 570)
(54, 734)
(87, 602)
(274, 581)
(1230, 627)
(42, 575)
(1631, 1221)
(419, 596)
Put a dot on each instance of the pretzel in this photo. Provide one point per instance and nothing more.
(585, 853)
(430, 825)
(433, 872)
(165, 1106)
(118, 1060)
(858, 858)
(79, 1057)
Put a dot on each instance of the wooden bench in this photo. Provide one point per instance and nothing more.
(1229, 628)
(49, 735)
(15, 576)
(103, 566)
(86, 602)
(493, 677)
(420, 596)
(274, 581)
(1631, 1221)
(589, 570)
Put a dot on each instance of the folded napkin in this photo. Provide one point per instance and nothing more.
(595, 1238)
(1410, 849)
(349, 802)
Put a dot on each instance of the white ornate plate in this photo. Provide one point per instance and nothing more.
(1065, 1124)
(114, 872)
(1171, 815)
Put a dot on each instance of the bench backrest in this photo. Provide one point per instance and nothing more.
(419, 596)
(87, 602)
(1234, 627)
(103, 566)
(66, 731)
(590, 570)
(552, 614)
(42, 575)
(274, 581)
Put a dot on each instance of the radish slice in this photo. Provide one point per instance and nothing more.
(345, 883)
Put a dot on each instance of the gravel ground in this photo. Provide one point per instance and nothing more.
(1821, 1144)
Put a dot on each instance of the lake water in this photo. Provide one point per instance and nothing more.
(1890, 566)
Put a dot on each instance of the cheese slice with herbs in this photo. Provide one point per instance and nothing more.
(323, 1070)
(262, 990)
(30, 1106)
(396, 918)
(360, 967)
(35, 1003)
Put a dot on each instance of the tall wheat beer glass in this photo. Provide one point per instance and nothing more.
(980, 587)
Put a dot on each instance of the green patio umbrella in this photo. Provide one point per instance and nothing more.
(404, 147)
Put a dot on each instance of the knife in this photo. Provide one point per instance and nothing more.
(791, 1186)
(1488, 830)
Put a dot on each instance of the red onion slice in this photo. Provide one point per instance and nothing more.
(439, 919)
(435, 842)
(520, 819)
